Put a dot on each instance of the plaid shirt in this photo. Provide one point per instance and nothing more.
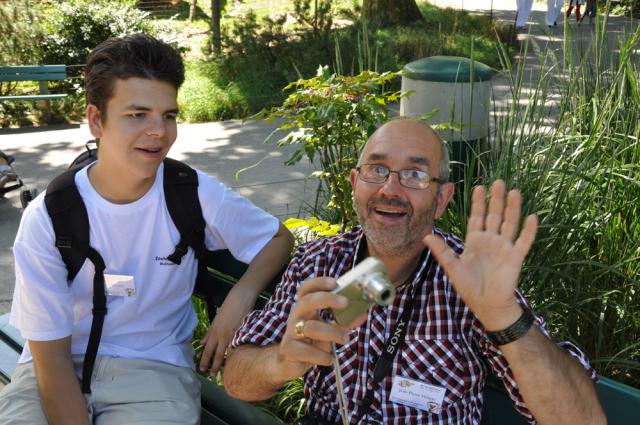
(445, 344)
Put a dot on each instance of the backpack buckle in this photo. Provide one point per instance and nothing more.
(99, 311)
(64, 242)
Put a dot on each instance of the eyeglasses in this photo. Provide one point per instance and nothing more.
(413, 179)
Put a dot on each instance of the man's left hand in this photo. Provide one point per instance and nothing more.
(486, 274)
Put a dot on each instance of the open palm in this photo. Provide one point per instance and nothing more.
(486, 274)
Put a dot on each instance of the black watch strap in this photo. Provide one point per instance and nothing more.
(516, 331)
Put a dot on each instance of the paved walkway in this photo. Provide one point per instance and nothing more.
(223, 148)
(219, 148)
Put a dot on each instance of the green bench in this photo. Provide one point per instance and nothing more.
(620, 401)
(40, 73)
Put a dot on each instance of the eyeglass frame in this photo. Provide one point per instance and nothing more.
(432, 179)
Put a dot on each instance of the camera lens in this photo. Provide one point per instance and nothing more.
(378, 288)
(385, 294)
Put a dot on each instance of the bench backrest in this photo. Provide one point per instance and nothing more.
(33, 73)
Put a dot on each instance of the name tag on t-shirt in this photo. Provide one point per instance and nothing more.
(119, 285)
(417, 394)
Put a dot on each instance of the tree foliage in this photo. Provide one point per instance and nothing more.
(329, 118)
(391, 12)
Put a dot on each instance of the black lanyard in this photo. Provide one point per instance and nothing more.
(385, 361)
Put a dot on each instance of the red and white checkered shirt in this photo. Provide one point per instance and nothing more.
(445, 344)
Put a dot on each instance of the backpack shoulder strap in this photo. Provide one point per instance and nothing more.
(71, 227)
(183, 203)
(70, 221)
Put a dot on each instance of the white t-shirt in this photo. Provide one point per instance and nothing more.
(133, 239)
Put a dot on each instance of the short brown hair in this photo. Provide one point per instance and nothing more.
(136, 55)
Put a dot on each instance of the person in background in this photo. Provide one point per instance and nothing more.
(553, 12)
(591, 10)
(522, 13)
(577, 4)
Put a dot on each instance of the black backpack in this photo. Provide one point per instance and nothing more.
(71, 226)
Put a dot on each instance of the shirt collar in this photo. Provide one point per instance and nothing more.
(415, 278)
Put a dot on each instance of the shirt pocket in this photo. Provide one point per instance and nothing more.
(440, 362)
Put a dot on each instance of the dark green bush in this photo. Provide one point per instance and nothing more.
(21, 34)
(262, 55)
(78, 26)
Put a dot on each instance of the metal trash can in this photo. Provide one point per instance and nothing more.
(459, 89)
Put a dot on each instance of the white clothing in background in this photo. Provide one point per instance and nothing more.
(523, 11)
(553, 11)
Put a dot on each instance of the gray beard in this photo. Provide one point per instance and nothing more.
(392, 244)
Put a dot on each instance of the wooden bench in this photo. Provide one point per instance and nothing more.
(40, 73)
(621, 402)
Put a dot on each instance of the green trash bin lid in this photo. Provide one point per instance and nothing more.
(448, 69)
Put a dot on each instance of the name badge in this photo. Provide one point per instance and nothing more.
(119, 285)
(417, 394)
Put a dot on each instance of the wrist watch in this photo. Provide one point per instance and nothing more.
(514, 332)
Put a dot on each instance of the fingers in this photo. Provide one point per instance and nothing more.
(496, 207)
(218, 359)
(207, 351)
(314, 295)
(511, 220)
(316, 284)
(308, 338)
(500, 218)
(318, 330)
(476, 216)
(444, 255)
(527, 236)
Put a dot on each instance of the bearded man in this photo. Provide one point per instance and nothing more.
(423, 358)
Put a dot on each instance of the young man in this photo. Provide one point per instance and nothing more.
(143, 373)
(454, 307)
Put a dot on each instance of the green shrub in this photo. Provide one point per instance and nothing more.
(76, 27)
(202, 100)
(14, 114)
(329, 118)
(21, 32)
(262, 55)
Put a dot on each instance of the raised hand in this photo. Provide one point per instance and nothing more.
(486, 274)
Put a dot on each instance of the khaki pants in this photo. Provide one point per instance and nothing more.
(123, 391)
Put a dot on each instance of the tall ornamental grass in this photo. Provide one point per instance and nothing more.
(569, 141)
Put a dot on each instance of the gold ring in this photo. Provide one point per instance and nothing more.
(300, 329)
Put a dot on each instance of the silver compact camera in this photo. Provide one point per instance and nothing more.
(365, 284)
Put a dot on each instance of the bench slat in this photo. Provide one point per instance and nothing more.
(33, 77)
(40, 73)
(33, 69)
(33, 97)
(11, 344)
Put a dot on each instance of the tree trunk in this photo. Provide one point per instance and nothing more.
(391, 12)
(215, 26)
(192, 10)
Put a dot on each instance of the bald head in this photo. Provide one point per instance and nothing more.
(393, 133)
